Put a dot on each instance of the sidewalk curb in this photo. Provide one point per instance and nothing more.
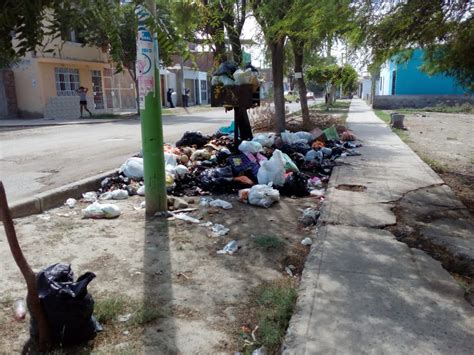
(28, 125)
(56, 197)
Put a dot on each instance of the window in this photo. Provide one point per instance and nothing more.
(394, 80)
(97, 89)
(72, 35)
(67, 81)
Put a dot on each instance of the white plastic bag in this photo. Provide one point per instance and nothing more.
(220, 203)
(218, 230)
(71, 202)
(242, 77)
(250, 147)
(263, 195)
(114, 195)
(141, 190)
(230, 248)
(97, 210)
(265, 139)
(133, 168)
(273, 170)
(308, 137)
(90, 196)
(181, 171)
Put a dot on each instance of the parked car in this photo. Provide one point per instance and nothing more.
(291, 96)
(310, 95)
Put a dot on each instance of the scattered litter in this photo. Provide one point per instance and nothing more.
(185, 217)
(260, 351)
(289, 270)
(317, 193)
(218, 230)
(220, 203)
(97, 211)
(64, 214)
(124, 318)
(90, 196)
(310, 216)
(140, 207)
(114, 195)
(307, 241)
(126, 332)
(182, 274)
(230, 248)
(19, 309)
(70, 202)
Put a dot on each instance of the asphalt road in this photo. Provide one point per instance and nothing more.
(34, 160)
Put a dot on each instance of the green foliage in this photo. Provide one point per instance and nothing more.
(276, 302)
(268, 242)
(333, 75)
(444, 29)
(107, 310)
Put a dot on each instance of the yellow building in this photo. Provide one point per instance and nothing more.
(46, 82)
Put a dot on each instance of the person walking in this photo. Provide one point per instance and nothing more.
(186, 93)
(169, 94)
(82, 91)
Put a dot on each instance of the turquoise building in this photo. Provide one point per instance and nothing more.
(408, 79)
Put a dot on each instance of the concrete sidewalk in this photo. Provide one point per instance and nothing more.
(362, 291)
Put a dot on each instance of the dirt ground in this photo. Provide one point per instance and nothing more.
(171, 264)
(446, 142)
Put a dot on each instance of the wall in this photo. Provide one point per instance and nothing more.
(419, 101)
(412, 81)
(8, 102)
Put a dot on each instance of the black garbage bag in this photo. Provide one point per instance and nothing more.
(296, 184)
(193, 138)
(227, 68)
(298, 159)
(67, 304)
(301, 147)
(216, 179)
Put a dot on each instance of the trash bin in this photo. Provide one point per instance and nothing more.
(396, 120)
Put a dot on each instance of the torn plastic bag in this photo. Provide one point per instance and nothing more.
(296, 184)
(273, 170)
(133, 168)
(262, 195)
(193, 138)
(300, 147)
(67, 304)
(97, 211)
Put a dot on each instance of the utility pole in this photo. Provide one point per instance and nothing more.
(148, 78)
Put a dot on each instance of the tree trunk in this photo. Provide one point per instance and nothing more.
(298, 52)
(234, 39)
(32, 299)
(277, 49)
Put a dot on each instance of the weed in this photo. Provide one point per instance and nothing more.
(268, 242)
(145, 315)
(435, 165)
(108, 309)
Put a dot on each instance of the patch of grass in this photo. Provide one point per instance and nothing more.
(145, 315)
(440, 168)
(108, 309)
(275, 302)
(383, 115)
(464, 108)
(268, 242)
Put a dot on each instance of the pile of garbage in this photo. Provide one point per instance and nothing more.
(260, 170)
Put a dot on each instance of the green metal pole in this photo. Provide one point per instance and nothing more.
(150, 104)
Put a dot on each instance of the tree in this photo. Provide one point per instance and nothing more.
(334, 76)
(269, 14)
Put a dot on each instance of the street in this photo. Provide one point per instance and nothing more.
(34, 160)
